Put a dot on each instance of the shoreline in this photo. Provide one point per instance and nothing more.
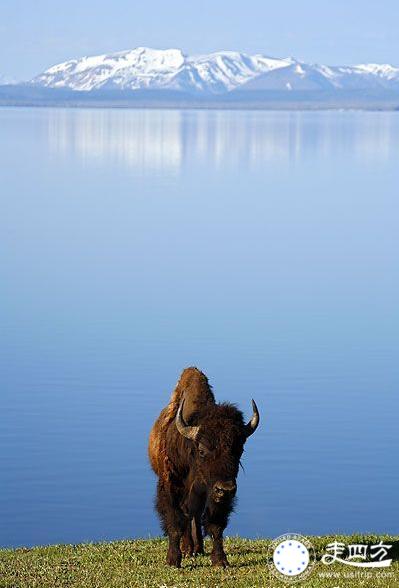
(216, 107)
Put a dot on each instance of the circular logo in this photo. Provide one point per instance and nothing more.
(291, 557)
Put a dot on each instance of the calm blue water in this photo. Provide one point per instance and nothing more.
(261, 247)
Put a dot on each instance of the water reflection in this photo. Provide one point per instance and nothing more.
(168, 141)
(146, 140)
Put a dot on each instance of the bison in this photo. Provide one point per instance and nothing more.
(195, 447)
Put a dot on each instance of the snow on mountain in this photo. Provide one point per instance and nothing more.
(223, 71)
(153, 69)
(310, 77)
(297, 76)
(139, 68)
(366, 76)
(227, 70)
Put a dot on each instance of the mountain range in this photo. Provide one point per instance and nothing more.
(142, 75)
(214, 73)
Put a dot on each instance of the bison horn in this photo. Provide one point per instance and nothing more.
(182, 427)
(252, 425)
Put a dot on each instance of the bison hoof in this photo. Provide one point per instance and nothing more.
(173, 559)
(219, 560)
(187, 549)
(198, 551)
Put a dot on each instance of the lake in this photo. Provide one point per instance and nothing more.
(261, 247)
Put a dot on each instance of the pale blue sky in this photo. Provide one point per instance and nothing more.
(35, 34)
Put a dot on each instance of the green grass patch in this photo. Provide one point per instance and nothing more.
(125, 564)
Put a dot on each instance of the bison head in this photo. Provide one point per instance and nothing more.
(218, 439)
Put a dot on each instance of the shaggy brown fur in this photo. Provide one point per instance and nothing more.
(196, 478)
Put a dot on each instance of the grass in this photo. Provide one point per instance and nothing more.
(140, 563)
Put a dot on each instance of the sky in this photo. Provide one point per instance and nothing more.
(35, 34)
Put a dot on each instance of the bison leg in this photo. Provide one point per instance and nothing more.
(218, 556)
(187, 545)
(192, 506)
(174, 523)
(174, 555)
(196, 531)
(215, 523)
(192, 542)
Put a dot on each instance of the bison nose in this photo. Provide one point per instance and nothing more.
(224, 489)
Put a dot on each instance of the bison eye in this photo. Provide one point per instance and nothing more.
(201, 452)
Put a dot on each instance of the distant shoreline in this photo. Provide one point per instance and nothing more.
(32, 96)
(216, 107)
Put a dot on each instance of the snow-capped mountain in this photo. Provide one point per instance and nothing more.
(154, 69)
(302, 76)
(215, 73)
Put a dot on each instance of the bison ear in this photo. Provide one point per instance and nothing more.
(183, 428)
(252, 425)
